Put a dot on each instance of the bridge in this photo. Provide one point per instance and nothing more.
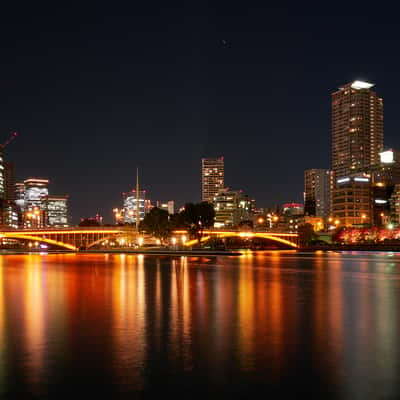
(67, 238)
(84, 238)
(288, 239)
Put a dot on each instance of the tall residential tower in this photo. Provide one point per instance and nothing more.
(357, 128)
(212, 177)
(357, 141)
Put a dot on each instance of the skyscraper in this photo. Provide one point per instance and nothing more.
(212, 177)
(57, 211)
(318, 184)
(357, 141)
(129, 206)
(357, 128)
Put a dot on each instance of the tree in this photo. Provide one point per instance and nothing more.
(89, 222)
(246, 225)
(306, 234)
(197, 217)
(156, 223)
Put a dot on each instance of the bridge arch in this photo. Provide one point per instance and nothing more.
(264, 235)
(40, 239)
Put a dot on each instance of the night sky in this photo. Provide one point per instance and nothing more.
(95, 91)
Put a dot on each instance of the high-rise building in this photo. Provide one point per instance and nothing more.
(129, 206)
(9, 181)
(318, 185)
(167, 206)
(395, 206)
(57, 211)
(232, 207)
(357, 128)
(352, 200)
(212, 177)
(35, 202)
(357, 141)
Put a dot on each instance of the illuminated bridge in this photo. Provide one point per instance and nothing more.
(84, 238)
(288, 239)
(68, 238)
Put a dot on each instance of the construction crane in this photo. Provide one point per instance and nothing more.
(12, 136)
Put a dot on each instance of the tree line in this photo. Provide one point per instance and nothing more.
(195, 218)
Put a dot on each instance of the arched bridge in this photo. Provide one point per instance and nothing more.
(288, 239)
(68, 238)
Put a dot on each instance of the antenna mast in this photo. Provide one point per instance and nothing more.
(137, 200)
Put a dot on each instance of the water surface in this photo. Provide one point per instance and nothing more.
(322, 325)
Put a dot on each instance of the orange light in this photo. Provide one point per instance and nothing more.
(337, 222)
(275, 218)
(260, 220)
(363, 216)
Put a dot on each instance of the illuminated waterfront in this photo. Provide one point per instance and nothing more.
(326, 324)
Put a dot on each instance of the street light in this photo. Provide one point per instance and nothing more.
(173, 240)
(140, 241)
(183, 239)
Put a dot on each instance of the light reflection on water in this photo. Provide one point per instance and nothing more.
(323, 324)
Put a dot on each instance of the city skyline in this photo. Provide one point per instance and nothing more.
(130, 89)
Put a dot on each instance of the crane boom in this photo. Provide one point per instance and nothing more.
(13, 135)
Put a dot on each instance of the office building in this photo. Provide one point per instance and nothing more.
(394, 200)
(129, 206)
(9, 181)
(318, 186)
(167, 206)
(35, 202)
(357, 128)
(387, 171)
(351, 204)
(231, 207)
(212, 177)
(57, 211)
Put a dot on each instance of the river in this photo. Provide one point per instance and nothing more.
(322, 325)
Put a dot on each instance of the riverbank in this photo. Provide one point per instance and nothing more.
(130, 251)
(167, 252)
(354, 247)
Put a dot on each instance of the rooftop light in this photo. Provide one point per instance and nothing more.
(361, 85)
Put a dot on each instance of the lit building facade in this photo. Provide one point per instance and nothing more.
(57, 211)
(351, 204)
(231, 207)
(167, 206)
(395, 206)
(212, 177)
(129, 206)
(318, 186)
(35, 202)
(357, 128)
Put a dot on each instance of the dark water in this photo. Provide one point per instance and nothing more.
(126, 326)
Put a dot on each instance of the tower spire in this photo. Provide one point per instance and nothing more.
(137, 200)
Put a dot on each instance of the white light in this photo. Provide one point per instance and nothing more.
(361, 85)
(361, 179)
(379, 201)
(387, 157)
(343, 180)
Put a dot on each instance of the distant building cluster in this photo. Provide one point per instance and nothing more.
(231, 207)
(127, 214)
(362, 188)
(28, 204)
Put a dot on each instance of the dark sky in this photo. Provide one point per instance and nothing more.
(97, 90)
